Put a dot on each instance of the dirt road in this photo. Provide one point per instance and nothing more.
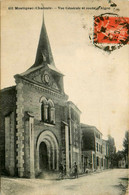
(109, 182)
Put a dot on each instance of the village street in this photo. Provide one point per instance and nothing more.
(108, 182)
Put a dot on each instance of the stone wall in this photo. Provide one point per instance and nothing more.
(28, 100)
(20, 129)
(88, 138)
(29, 146)
(7, 106)
(10, 143)
(75, 136)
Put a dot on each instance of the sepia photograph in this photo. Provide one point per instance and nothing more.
(64, 97)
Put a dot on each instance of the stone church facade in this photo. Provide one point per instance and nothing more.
(40, 128)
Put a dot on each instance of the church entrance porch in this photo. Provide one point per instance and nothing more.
(47, 153)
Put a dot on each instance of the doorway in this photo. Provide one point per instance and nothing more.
(43, 156)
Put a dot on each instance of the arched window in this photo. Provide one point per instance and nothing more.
(51, 112)
(47, 110)
(44, 109)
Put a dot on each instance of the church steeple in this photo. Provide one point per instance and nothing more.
(44, 53)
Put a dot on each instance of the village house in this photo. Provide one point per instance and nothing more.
(94, 149)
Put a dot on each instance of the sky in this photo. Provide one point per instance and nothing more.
(97, 82)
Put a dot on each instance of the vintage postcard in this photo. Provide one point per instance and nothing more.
(64, 100)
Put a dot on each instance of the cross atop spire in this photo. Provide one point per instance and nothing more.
(43, 11)
(44, 53)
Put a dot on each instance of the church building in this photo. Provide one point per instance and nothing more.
(39, 127)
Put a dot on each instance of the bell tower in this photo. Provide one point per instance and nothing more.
(44, 59)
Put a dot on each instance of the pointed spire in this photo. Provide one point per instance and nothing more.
(43, 12)
(44, 53)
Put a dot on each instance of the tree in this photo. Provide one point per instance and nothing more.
(119, 156)
(112, 151)
(125, 145)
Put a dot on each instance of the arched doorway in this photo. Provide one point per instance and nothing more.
(43, 156)
(47, 155)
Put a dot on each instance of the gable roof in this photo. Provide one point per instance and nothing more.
(86, 127)
(32, 69)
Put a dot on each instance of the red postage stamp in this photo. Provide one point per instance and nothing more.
(111, 30)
